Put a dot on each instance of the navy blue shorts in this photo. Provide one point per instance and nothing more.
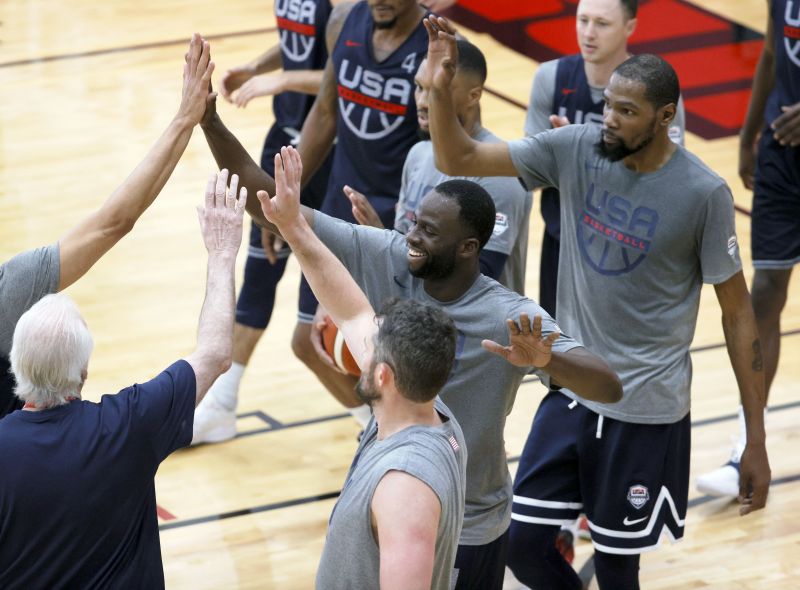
(775, 225)
(481, 567)
(257, 296)
(631, 480)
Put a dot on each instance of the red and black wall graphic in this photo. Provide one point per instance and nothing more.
(714, 57)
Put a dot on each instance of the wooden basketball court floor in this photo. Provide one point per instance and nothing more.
(88, 87)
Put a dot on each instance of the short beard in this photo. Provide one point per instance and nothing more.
(621, 151)
(365, 388)
(389, 24)
(423, 135)
(436, 268)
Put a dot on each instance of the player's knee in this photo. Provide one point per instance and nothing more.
(768, 294)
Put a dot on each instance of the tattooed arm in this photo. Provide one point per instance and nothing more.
(744, 350)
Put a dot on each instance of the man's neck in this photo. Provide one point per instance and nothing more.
(598, 74)
(385, 41)
(653, 157)
(472, 122)
(396, 413)
(453, 286)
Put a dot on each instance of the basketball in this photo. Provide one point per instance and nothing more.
(336, 347)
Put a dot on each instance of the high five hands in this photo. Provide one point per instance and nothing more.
(527, 347)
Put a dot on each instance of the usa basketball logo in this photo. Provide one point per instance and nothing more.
(298, 32)
(638, 496)
(371, 106)
(614, 237)
(791, 32)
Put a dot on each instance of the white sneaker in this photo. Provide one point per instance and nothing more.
(723, 482)
(213, 422)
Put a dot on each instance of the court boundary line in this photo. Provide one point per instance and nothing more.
(127, 48)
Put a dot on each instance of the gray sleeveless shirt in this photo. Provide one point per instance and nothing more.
(435, 455)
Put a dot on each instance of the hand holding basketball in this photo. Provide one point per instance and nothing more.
(527, 347)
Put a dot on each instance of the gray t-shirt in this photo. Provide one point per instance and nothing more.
(511, 200)
(24, 280)
(635, 250)
(482, 388)
(436, 456)
(540, 106)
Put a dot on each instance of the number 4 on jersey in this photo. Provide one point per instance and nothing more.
(410, 63)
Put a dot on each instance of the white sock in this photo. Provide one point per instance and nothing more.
(362, 414)
(226, 388)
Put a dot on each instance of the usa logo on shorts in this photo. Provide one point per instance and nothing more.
(638, 496)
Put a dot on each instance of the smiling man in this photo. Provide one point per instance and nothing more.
(644, 225)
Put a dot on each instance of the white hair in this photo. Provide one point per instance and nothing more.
(50, 352)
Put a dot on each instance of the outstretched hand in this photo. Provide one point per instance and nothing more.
(197, 69)
(221, 218)
(363, 211)
(527, 347)
(284, 208)
(442, 53)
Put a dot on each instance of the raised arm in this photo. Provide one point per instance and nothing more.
(744, 350)
(90, 239)
(578, 370)
(456, 153)
(335, 289)
(405, 519)
(221, 227)
(319, 129)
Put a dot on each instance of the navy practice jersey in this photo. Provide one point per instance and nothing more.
(572, 98)
(785, 15)
(377, 115)
(302, 27)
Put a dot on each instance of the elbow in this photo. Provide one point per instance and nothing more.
(608, 389)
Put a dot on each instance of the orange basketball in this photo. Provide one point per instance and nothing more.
(336, 347)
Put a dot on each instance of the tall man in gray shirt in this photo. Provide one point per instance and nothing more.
(399, 516)
(437, 263)
(570, 90)
(644, 225)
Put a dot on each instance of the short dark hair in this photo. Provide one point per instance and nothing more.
(418, 341)
(476, 207)
(471, 59)
(630, 8)
(661, 85)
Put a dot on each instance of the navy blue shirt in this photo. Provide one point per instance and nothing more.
(572, 98)
(77, 497)
(302, 31)
(786, 30)
(376, 121)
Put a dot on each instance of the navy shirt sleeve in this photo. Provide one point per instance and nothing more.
(161, 411)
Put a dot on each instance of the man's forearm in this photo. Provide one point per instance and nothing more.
(305, 81)
(585, 374)
(744, 350)
(316, 139)
(212, 355)
(269, 61)
(451, 143)
(230, 154)
(763, 82)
